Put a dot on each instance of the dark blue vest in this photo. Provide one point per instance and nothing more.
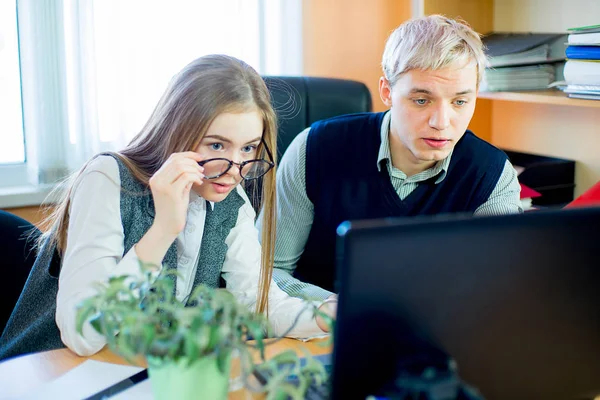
(343, 183)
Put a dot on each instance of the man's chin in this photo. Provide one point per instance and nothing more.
(433, 156)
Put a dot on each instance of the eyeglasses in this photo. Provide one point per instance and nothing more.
(249, 170)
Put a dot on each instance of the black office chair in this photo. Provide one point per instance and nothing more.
(300, 100)
(16, 258)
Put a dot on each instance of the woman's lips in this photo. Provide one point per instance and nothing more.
(221, 187)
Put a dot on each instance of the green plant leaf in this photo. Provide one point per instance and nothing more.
(223, 360)
(191, 349)
(84, 313)
(140, 315)
(96, 323)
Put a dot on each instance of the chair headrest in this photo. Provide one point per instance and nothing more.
(300, 101)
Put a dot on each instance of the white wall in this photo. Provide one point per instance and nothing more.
(544, 15)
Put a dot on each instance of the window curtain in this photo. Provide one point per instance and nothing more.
(108, 62)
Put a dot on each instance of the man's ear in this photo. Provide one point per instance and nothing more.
(385, 91)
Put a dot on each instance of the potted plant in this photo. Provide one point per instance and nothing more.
(189, 346)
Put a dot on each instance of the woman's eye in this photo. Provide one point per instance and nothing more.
(249, 149)
(216, 146)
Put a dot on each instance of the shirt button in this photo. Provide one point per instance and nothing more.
(185, 260)
(190, 228)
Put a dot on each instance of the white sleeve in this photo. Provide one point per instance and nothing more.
(241, 271)
(295, 214)
(94, 250)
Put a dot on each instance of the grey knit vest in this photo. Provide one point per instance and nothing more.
(137, 200)
(32, 327)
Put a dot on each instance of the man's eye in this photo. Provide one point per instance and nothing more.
(460, 102)
(420, 102)
(216, 146)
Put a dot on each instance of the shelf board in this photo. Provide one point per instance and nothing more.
(555, 97)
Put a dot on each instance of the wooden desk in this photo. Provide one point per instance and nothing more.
(21, 375)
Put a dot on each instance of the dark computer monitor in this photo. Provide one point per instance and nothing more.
(514, 300)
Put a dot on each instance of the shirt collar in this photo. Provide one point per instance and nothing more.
(440, 169)
(197, 202)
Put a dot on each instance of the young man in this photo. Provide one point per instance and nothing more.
(415, 159)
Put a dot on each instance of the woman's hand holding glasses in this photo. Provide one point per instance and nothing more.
(171, 186)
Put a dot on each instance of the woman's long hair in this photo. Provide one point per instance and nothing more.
(205, 88)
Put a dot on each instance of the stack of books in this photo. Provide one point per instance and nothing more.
(582, 69)
(523, 61)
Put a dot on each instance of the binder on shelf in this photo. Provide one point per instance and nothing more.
(585, 96)
(507, 49)
(584, 39)
(579, 72)
(584, 29)
(529, 77)
(523, 61)
(583, 52)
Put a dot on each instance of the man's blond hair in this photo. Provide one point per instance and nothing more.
(431, 43)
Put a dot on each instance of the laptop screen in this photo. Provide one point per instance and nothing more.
(514, 300)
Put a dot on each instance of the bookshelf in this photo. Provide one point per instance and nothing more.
(554, 97)
(539, 122)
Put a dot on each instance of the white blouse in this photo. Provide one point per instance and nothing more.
(94, 252)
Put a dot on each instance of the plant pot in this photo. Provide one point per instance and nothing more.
(201, 379)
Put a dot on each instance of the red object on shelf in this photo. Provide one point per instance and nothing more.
(528, 193)
(589, 198)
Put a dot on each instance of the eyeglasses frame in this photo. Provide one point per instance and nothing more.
(243, 163)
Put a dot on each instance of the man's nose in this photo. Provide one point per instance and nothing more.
(440, 119)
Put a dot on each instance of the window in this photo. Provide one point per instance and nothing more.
(11, 124)
(13, 170)
(135, 54)
(87, 74)
(12, 150)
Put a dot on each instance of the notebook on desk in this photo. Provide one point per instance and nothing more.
(92, 380)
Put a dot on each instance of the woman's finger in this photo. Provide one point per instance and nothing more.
(172, 172)
(184, 183)
(192, 155)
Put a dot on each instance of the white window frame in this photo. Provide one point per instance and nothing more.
(14, 173)
(43, 92)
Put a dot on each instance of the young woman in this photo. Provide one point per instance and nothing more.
(171, 197)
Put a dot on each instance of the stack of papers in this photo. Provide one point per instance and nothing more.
(523, 61)
(518, 78)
